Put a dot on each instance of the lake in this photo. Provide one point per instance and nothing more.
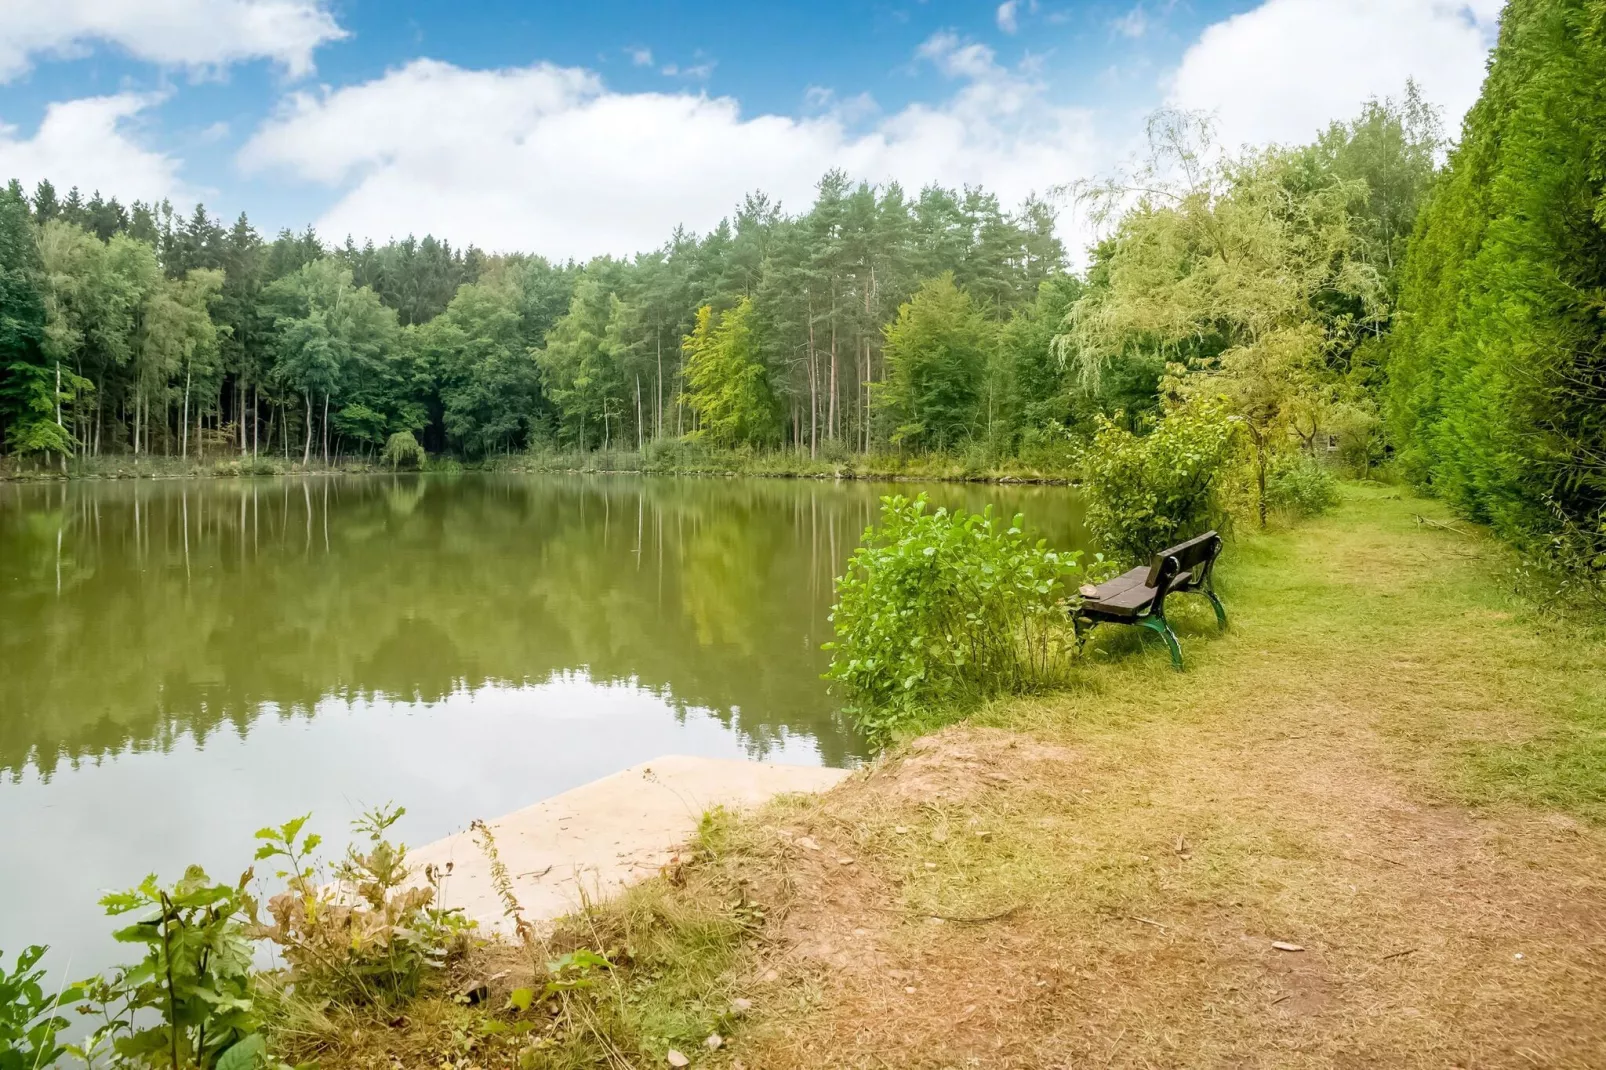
(187, 661)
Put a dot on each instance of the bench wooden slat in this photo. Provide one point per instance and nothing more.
(1138, 596)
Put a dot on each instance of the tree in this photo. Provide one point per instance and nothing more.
(28, 398)
(936, 352)
(329, 337)
(1222, 271)
(489, 382)
(1497, 374)
(730, 387)
(576, 366)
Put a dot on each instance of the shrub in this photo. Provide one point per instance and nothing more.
(29, 1018)
(403, 451)
(188, 1002)
(1147, 492)
(946, 608)
(366, 936)
(1299, 484)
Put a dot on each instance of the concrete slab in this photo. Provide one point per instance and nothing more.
(605, 835)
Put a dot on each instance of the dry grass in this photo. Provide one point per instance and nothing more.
(1388, 762)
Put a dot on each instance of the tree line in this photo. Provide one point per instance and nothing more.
(142, 331)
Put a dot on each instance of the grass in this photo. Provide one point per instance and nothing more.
(664, 458)
(1391, 761)
(832, 462)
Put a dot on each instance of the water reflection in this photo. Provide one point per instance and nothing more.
(183, 662)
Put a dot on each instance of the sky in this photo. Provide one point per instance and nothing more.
(581, 129)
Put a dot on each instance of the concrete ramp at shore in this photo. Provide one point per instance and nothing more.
(605, 835)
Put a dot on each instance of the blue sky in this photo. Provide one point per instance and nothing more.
(576, 129)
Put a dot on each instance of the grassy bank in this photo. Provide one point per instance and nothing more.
(671, 459)
(127, 467)
(1366, 827)
(692, 459)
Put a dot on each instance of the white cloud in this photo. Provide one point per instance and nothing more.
(698, 73)
(1285, 69)
(641, 57)
(86, 143)
(1008, 20)
(196, 34)
(1134, 24)
(547, 159)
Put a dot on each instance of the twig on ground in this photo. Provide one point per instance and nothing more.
(1398, 954)
(1146, 921)
(1441, 525)
(977, 920)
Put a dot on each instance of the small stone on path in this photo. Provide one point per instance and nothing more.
(677, 1059)
(1283, 945)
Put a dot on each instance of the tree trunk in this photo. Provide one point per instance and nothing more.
(814, 391)
(306, 450)
(831, 422)
(326, 428)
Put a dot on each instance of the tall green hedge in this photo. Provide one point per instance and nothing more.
(1497, 372)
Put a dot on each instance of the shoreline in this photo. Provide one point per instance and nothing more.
(592, 842)
(848, 474)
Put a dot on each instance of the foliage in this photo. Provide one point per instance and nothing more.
(729, 388)
(360, 934)
(1147, 492)
(403, 451)
(188, 1002)
(946, 608)
(1301, 485)
(30, 1019)
(937, 352)
(1497, 373)
(1258, 277)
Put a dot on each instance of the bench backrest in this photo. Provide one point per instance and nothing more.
(1197, 555)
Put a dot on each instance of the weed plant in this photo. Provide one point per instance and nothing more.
(940, 609)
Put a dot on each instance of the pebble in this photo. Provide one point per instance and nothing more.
(677, 1059)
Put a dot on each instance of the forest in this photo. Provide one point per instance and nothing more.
(1382, 295)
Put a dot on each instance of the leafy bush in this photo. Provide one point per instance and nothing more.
(1147, 492)
(403, 451)
(939, 607)
(29, 1018)
(1299, 484)
(188, 1002)
(365, 935)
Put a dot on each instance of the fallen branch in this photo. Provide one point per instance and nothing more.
(1146, 921)
(1441, 525)
(977, 920)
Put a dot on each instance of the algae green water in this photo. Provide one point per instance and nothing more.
(182, 663)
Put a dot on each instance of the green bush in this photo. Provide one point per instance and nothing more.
(1147, 492)
(1299, 484)
(403, 451)
(940, 608)
(188, 1002)
(29, 1016)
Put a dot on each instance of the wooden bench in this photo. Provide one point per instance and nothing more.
(1138, 597)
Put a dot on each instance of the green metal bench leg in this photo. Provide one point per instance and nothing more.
(1221, 610)
(1158, 626)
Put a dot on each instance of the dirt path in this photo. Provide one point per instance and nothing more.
(1264, 862)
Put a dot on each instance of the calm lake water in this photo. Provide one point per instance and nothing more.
(182, 663)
